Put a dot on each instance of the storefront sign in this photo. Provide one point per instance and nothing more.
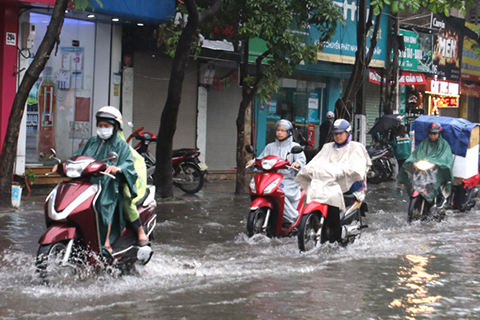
(418, 51)
(410, 78)
(447, 52)
(142, 10)
(343, 46)
(470, 90)
(470, 60)
(442, 87)
(313, 108)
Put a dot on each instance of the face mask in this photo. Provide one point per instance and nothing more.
(104, 133)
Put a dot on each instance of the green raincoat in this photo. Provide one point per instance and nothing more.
(437, 152)
(109, 202)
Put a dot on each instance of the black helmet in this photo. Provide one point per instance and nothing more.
(341, 125)
(434, 127)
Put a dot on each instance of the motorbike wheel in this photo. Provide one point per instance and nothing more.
(189, 178)
(308, 232)
(255, 222)
(49, 260)
(375, 174)
(416, 208)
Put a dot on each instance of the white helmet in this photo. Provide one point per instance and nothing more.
(112, 113)
(330, 115)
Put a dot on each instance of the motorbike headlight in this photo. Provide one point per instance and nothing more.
(271, 186)
(268, 164)
(252, 186)
(424, 165)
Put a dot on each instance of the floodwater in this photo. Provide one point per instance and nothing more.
(204, 267)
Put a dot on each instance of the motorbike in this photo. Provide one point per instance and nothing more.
(188, 171)
(423, 177)
(268, 199)
(382, 164)
(315, 227)
(72, 238)
(463, 195)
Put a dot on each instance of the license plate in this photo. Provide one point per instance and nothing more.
(203, 166)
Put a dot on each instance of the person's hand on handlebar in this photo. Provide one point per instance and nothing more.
(295, 165)
(113, 170)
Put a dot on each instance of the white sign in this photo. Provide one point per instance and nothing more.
(11, 39)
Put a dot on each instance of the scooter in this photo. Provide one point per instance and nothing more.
(382, 164)
(423, 177)
(268, 198)
(317, 226)
(72, 237)
(188, 171)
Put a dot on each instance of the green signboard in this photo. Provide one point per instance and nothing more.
(418, 51)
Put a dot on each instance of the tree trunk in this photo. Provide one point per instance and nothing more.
(168, 123)
(344, 105)
(9, 149)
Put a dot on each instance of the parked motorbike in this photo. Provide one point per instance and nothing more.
(423, 177)
(463, 195)
(188, 171)
(382, 164)
(268, 199)
(72, 236)
(316, 224)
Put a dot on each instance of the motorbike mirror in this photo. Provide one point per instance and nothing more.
(130, 124)
(53, 153)
(249, 148)
(296, 149)
(112, 157)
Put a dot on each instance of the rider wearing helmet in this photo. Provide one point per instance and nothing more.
(325, 127)
(109, 122)
(340, 167)
(281, 148)
(436, 150)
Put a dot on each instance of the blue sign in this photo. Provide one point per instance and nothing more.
(152, 11)
(343, 46)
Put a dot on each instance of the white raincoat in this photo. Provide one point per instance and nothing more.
(333, 171)
(289, 186)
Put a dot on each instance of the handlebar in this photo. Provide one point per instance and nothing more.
(108, 174)
(134, 133)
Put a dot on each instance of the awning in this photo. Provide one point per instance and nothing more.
(470, 90)
(410, 78)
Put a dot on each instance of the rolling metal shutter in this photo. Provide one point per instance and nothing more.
(151, 77)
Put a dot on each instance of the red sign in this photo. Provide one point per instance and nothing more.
(470, 90)
(311, 134)
(443, 87)
(414, 78)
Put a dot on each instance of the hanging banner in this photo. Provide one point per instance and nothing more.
(418, 51)
(313, 108)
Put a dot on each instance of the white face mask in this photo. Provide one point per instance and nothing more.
(104, 133)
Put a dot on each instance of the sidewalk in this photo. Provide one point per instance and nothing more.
(213, 189)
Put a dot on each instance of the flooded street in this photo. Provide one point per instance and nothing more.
(204, 267)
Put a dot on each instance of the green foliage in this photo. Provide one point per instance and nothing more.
(84, 4)
(30, 177)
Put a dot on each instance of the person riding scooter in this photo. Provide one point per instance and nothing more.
(281, 148)
(436, 150)
(340, 167)
(109, 204)
(129, 203)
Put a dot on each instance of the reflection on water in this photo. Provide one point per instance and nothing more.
(415, 279)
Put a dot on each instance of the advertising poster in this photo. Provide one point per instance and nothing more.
(470, 60)
(447, 51)
(418, 51)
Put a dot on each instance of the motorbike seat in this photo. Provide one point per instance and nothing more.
(180, 152)
(349, 199)
(142, 200)
(372, 152)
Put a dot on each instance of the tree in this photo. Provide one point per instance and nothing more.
(179, 41)
(283, 26)
(9, 149)
(344, 107)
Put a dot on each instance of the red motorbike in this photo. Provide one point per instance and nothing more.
(188, 171)
(72, 237)
(268, 198)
